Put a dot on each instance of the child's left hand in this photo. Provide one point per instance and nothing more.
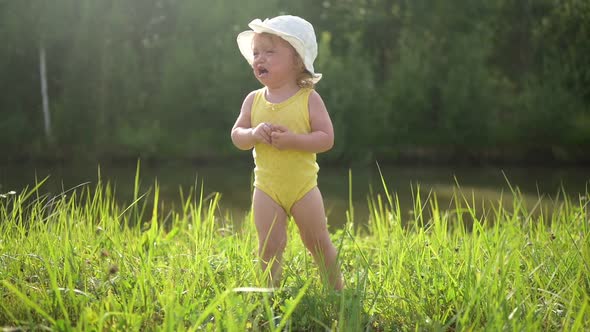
(282, 137)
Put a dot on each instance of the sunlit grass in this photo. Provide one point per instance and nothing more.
(83, 261)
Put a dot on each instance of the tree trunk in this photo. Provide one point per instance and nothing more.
(44, 95)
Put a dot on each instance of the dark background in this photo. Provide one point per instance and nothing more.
(499, 81)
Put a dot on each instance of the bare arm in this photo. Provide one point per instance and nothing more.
(321, 137)
(242, 134)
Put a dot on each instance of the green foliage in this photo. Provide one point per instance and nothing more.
(164, 78)
(81, 260)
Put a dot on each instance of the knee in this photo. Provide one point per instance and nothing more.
(272, 246)
(313, 242)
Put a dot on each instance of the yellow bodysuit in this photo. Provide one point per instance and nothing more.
(285, 175)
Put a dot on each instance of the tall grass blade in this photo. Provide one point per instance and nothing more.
(29, 302)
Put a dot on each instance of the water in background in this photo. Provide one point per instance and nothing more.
(233, 182)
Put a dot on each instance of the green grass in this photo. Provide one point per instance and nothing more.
(81, 261)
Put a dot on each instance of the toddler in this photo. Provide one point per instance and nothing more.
(287, 124)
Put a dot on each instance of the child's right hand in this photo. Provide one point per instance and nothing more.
(262, 133)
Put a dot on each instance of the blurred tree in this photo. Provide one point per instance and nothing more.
(164, 78)
(34, 33)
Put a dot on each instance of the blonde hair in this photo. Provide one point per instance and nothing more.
(304, 78)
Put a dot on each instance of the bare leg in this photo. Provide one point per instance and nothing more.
(310, 217)
(271, 225)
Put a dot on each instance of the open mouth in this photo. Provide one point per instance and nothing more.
(262, 71)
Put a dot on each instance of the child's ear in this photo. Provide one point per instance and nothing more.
(298, 61)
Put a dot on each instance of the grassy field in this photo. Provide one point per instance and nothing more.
(82, 261)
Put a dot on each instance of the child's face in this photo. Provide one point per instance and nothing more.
(274, 60)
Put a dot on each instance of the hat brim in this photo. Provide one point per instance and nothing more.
(244, 40)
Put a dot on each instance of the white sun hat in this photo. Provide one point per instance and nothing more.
(295, 30)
